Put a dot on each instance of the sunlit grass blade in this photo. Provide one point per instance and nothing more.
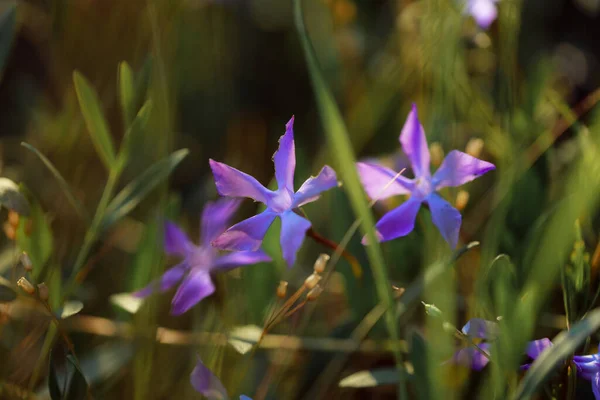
(64, 185)
(564, 344)
(126, 92)
(136, 191)
(94, 120)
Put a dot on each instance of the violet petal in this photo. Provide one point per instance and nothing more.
(536, 347)
(483, 11)
(285, 158)
(206, 383)
(170, 278)
(234, 183)
(596, 385)
(293, 231)
(472, 357)
(176, 241)
(381, 182)
(246, 235)
(481, 329)
(240, 258)
(398, 222)
(446, 218)
(459, 168)
(414, 144)
(314, 186)
(196, 286)
(215, 218)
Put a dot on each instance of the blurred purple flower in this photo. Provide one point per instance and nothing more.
(483, 11)
(477, 328)
(207, 384)
(199, 261)
(248, 234)
(381, 182)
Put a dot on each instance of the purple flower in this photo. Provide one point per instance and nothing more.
(477, 328)
(193, 273)
(248, 234)
(208, 385)
(483, 11)
(381, 182)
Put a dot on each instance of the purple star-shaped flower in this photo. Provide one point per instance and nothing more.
(207, 384)
(381, 182)
(483, 11)
(248, 234)
(199, 261)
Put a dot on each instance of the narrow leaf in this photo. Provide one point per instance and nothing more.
(78, 387)
(126, 92)
(35, 237)
(94, 120)
(8, 21)
(66, 188)
(12, 198)
(127, 302)
(564, 344)
(418, 357)
(137, 190)
(70, 308)
(371, 378)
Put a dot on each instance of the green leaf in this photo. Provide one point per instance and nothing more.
(127, 302)
(126, 92)
(66, 188)
(137, 190)
(371, 378)
(7, 293)
(66, 382)
(418, 357)
(12, 198)
(564, 344)
(135, 131)
(35, 237)
(70, 308)
(8, 22)
(94, 120)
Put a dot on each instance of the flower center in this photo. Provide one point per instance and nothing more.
(423, 188)
(201, 257)
(281, 201)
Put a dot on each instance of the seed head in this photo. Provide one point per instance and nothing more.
(26, 261)
(314, 293)
(321, 263)
(24, 284)
(43, 291)
(282, 289)
(312, 281)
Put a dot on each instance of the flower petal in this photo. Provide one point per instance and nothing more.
(314, 186)
(196, 286)
(206, 383)
(239, 258)
(234, 183)
(445, 217)
(472, 357)
(246, 235)
(170, 278)
(481, 329)
(244, 397)
(293, 231)
(483, 11)
(459, 168)
(398, 222)
(414, 144)
(381, 182)
(596, 385)
(536, 347)
(176, 241)
(215, 218)
(285, 158)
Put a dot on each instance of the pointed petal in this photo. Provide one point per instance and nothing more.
(196, 286)
(414, 144)
(472, 357)
(234, 183)
(170, 278)
(176, 241)
(483, 11)
(285, 158)
(293, 231)
(240, 258)
(445, 217)
(481, 329)
(206, 383)
(596, 385)
(458, 168)
(398, 222)
(536, 347)
(314, 186)
(215, 218)
(244, 397)
(246, 235)
(381, 182)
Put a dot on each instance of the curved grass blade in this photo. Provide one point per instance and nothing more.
(137, 190)
(64, 185)
(94, 120)
(564, 344)
(126, 92)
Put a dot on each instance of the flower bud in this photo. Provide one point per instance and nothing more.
(282, 289)
(436, 153)
(462, 198)
(432, 310)
(314, 293)
(13, 218)
(312, 281)
(43, 291)
(24, 284)
(26, 261)
(474, 147)
(321, 263)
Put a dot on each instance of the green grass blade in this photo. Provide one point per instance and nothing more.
(126, 92)
(344, 155)
(137, 190)
(66, 188)
(565, 343)
(94, 120)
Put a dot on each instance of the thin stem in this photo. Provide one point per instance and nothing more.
(356, 268)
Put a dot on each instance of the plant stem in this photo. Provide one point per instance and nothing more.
(356, 268)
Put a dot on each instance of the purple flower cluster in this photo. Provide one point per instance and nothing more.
(193, 273)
